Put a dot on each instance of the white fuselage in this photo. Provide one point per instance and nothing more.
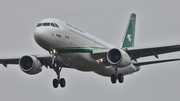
(75, 47)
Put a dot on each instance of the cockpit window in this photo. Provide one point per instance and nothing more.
(52, 24)
(39, 24)
(56, 25)
(46, 24)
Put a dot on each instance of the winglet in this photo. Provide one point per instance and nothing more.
(128, 40)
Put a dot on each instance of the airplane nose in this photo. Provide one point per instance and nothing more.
(39, 35)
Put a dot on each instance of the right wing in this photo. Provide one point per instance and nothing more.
(45, 60)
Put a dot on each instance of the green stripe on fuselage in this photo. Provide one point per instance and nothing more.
(74, 50)
(78, 49)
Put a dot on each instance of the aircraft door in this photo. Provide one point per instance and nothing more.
(66, 35)
(66, 30)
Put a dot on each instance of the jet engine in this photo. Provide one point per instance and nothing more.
(30, 64)
(118, 57)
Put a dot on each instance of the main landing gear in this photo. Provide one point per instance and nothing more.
(57, 68)
(116, 76)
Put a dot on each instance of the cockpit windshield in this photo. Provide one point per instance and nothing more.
(39, 24)
(56, 25)
(52, 24)
(47, 24)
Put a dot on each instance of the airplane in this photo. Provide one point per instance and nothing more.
(73, 48)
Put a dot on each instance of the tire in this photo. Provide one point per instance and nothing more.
(120, 78)
(113, 78)
(55, 83)
(62, 82)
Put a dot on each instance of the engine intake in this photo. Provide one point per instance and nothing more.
(118, 58)
(30, 64)
(114, 56)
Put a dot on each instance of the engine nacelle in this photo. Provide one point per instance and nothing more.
(30, 64)
(118, 57)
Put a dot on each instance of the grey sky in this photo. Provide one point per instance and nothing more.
(157, 24)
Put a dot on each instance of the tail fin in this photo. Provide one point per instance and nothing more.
(129, 36)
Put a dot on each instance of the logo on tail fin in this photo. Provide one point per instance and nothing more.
(133, 18)
(129, 37)
(128, 40)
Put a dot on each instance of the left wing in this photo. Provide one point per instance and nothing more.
(136, 53)
(154, 62)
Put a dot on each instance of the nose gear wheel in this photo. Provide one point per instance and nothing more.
(58, 80)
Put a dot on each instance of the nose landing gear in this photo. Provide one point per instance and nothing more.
(57, 68)
(59, 80)
(53, 54)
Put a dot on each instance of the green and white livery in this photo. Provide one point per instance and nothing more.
(71, 47)
(129, 37)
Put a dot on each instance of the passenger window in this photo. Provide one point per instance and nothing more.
(53, 25)
(56, 25)
(39, 24)
(46, 24)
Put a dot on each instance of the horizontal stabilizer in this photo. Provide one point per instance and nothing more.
(154, 62)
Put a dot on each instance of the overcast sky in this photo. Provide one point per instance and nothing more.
(157, 24)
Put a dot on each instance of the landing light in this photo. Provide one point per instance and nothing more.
(99, 61)
(53, 51)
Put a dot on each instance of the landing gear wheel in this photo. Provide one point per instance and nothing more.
(120, 78)
(57, 68)
(62, 82)
(55, 83)
(113, 78)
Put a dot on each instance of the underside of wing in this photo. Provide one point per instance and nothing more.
(45, 60)
(155, 62)
(9, 60)
(100, 53)
(136, 53)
